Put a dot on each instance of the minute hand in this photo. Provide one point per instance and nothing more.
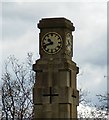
(50, 43)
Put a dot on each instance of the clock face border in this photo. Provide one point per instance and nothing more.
(60, 43)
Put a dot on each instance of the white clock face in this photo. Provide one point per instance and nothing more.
(51, 43)
(68, 42)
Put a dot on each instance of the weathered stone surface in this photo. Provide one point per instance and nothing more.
(64, 78)
(56, 23)
(65, 95)
(55, 92)
(38, 111)
(55, 79)
(37, 95)
(64, 110)
(77, 100)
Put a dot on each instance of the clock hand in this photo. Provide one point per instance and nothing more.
(49, 40)
(50, 43)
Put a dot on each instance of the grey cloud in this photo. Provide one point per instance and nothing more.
(19, 18)
(89, 37)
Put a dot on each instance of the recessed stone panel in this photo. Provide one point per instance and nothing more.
(47, 107)
(65, 95)
(46, 82)
(64, 78)
(37, 95)
(65, 110)
(39, 79)
(55, 80)
(73, 79)
(38, 111)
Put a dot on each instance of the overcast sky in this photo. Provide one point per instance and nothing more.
(20, 35)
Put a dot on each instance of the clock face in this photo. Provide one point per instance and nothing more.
(68, 42)
(51, 43)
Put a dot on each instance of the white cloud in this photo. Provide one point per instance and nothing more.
(93, 80)
(90, 36)
(20, 46)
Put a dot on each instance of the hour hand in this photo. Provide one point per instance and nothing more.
(49, 40)
(49, 43)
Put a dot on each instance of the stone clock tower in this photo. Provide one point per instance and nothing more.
(55, 93)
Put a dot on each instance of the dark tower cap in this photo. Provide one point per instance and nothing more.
(55, 23)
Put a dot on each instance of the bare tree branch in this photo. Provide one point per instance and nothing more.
(18, 80)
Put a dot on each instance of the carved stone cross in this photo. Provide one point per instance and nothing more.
(51, 94)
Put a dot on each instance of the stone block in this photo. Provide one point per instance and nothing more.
(47, 107)
(47, 114)
(74, 111)
(46, 90)
(46, 95)
(55, 110)
(55, 89)
(55, 95)
(55, 80)
(65, 107)
(64, 115)
(38, 111)
(65, 110)
(55, 114)
(37, 95)
(74, 93)
(77, 98)
(46, 79)
(45, 99)
(64, 78)
(73, 78)
(65, 95)
(39, 79)
(55, 107)
(55, 99)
